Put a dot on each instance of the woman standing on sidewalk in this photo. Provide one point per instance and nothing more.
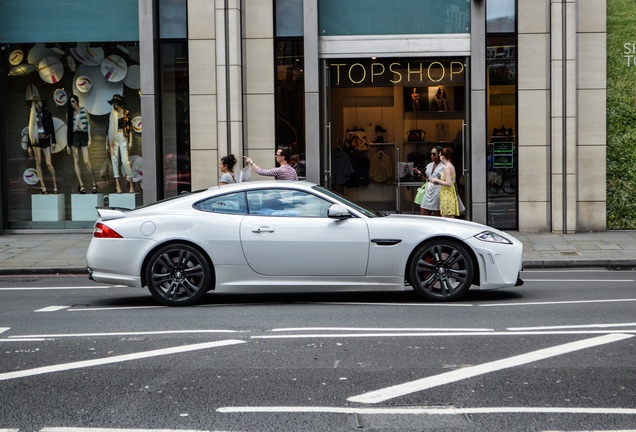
(448, 204)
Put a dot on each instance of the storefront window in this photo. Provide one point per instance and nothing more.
(175, 117)
(290, 100)
(61, 87)
(387, 116)
(502, 162)
(290, 81)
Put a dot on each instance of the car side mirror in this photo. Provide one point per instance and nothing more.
(336, 211)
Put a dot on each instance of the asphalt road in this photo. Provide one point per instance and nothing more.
(557, 354)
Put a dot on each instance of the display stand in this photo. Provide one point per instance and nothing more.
(47, 207)
(122, 200)
(83, 206)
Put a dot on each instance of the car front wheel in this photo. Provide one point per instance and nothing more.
(178, 275)
(441, 270)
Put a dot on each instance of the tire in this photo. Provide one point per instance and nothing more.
(441, 270)
(178, 275)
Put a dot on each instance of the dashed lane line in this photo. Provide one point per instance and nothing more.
(615, 325)
(557, 302)
(139, 333)
(115, 359)
(425, 410)
(387, 393)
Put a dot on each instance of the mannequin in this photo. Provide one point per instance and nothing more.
(119, 140)
(415, 97)
(80, 138)
(41, 137)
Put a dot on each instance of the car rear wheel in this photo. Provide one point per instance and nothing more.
(441, 270)
(178, 275)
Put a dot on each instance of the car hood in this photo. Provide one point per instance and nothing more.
(439, 225)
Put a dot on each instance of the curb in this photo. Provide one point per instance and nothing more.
(615, 264)
(43, 271)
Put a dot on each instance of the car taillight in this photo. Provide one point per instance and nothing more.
(104, 231)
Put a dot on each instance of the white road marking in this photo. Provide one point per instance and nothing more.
(4, 329)
(437, 334)
(71, 429)
(99, 309)
(293, 329)
(157, 332)
(59, 288)
(52, 308)
(558, 302)
(23, 340)
(473, 371)
(579, 280)
(115, 359)
(425, 410)
(389, 304)
(572, 327)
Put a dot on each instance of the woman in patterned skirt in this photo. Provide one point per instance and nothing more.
(448, 204)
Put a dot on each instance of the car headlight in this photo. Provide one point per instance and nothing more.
(492, 237)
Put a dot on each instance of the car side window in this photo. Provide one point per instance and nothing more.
(283, 202)
(233, 203)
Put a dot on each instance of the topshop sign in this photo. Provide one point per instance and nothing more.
(396, 73)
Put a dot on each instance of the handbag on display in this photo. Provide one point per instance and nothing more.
(419, 195)
(416, 135)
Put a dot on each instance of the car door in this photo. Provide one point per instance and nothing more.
(287, 232)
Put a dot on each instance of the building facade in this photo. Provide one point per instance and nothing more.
(360, 91)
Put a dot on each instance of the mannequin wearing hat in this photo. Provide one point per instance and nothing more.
(119, 140)
(41, 138)
(79, 139)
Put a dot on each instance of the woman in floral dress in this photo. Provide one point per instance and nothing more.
(448, 204)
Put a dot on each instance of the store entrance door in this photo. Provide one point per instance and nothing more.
(383, 118)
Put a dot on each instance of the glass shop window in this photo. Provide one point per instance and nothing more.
(71, 131)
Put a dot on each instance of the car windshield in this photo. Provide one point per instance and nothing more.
(359, 207)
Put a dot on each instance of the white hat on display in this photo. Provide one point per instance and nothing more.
(21, 69)
(136, 124)
(16, 57)
(83, 83)
(114, 68)
(51, 70)
(60, 97)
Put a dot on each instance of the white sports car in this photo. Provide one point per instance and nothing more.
(273, 236)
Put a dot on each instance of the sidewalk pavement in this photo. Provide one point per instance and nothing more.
(30, 253)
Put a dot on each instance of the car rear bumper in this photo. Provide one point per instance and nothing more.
(114, 279)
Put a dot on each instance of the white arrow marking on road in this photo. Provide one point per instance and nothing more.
(473, 371)
(52, 308)
(4, 329)
(115, 359)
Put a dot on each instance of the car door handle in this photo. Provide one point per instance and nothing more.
(263, 230)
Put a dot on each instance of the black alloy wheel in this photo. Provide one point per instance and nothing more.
(441, 270)
(178, 275)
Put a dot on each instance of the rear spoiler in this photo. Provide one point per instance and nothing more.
(109, 213)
